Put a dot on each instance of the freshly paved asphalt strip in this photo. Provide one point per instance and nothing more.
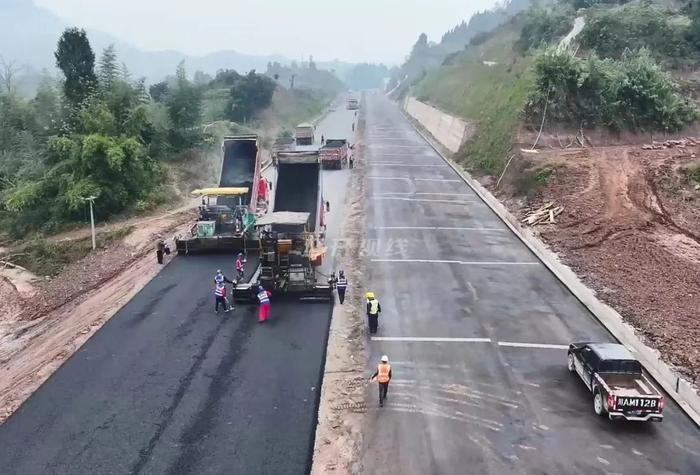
(168, 386)
(477, 328)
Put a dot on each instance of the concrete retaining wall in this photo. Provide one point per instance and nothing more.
(449, 130)
(673, 383)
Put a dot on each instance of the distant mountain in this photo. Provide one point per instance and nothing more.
(28, 34)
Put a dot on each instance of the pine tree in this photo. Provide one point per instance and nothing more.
(109, 69)
(75, 58)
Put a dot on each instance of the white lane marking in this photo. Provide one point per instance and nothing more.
(603, 461)
(389, 178)
(423, 200)
(637, 452)
(532, 345)
(402, 165)
(607, 446)
(423, 193)
(526, 447)
(464, 263)
(412, 408)
(431, 339)
(436, 228)
(424, 147)
(444, 180)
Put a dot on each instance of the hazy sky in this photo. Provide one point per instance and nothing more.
(353, 30)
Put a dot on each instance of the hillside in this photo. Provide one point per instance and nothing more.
(426, 56)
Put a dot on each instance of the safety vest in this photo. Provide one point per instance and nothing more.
(239, 264)
(220, 291)
(263, 298)
(342, 283)
(373, 307)
(383, 370)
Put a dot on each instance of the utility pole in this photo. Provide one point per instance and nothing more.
(91, 199)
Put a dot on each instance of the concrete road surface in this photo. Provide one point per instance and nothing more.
(167, 386)
(476, 330)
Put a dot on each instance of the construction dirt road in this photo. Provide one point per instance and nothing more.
(477, 330)
(630, 228)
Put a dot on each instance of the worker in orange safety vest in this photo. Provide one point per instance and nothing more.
(383, 376)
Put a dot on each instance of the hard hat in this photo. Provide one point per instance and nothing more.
(385, 359)
(240, 254)
(341, 272)
(218, 271)
(369, 295)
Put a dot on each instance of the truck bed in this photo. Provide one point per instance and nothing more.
(629, 385)
(298, 189)
(238, 169)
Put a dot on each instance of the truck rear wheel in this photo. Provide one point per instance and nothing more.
(598, 404)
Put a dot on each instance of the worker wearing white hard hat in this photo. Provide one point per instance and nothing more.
(383, 376)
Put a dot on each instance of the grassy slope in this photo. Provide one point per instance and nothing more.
(492, 97)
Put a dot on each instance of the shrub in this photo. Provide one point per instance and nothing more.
(611, 32)
(632, 93)
(543, 26)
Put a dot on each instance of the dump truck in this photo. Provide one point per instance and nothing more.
(334, 154)
(291, 238)
(352, 104)
(304, 134)
(227, 213)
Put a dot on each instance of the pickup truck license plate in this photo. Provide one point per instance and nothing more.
(632, 403)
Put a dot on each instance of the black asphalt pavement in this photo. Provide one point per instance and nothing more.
(168, 386)
(476, 328)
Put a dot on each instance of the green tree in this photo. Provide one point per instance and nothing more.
(184, 104)
(159, 91)
(249, 94)
(75, 58)
(108, 68)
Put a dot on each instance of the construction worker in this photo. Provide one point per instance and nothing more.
(383, 376)
(220, 294)
(373, 310)
(220, 278)
(240, 266)
(341, 284)
(160, 249)
(264, 299)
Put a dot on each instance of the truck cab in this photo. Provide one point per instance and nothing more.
(616, 379)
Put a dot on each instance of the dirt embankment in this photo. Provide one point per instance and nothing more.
(343, 406)
(631, 230)
(43, 322)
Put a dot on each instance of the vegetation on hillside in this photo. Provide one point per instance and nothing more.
(98, 132)
(632, 93)
(492, 94)
(426, 56)
(611, 32)
(613, 76)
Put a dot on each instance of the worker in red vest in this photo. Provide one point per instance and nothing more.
(383, 376)
(262, 189)
(220, 294)
(264, 299)
(240, 266)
